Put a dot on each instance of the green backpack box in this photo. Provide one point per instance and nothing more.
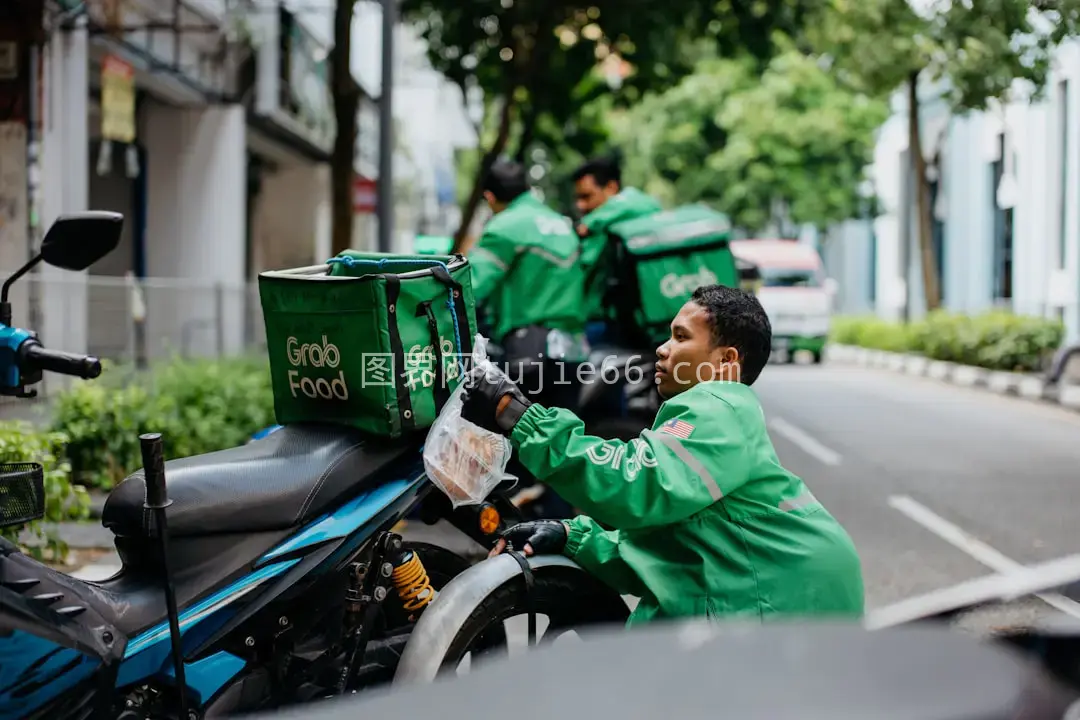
(659, 260)
(371, 340)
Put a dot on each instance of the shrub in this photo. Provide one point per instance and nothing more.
(199, 406)
(997, 340)
(20, 442)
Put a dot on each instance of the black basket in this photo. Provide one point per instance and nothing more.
(22, 493)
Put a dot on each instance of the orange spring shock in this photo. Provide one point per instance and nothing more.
(411, 581)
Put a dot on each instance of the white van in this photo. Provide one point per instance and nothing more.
(793, 289)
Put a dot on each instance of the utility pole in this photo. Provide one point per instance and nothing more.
(385, 203)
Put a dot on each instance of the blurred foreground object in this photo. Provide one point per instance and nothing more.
(694, 670)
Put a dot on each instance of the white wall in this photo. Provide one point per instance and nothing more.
(64, 187)
(196, 214)
(1034, 153)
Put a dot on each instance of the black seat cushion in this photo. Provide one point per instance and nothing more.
(278, 482)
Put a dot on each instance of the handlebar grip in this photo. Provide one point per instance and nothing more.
(39, 358)
(154, 470)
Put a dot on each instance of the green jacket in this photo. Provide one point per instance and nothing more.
(707, 522)
(526, 265)
(629, 203)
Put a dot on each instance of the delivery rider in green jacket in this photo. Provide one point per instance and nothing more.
(707, 522)
(525, 267)
(602, 201)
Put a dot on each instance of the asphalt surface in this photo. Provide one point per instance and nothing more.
(937, 484)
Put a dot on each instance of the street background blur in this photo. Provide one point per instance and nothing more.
(933, 164)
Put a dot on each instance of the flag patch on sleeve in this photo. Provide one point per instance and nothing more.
(678, 428)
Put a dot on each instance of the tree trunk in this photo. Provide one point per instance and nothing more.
(346, 96)
(486, 162)
(528, 131)
(924, 219)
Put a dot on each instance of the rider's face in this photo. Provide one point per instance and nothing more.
(590, 195)
(690, 356)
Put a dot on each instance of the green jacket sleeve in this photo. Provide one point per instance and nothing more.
(597, 551)
(658, 478)
(491, 258)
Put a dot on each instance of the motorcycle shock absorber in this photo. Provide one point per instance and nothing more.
(410, 579)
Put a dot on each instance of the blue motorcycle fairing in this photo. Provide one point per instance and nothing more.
(351, 525)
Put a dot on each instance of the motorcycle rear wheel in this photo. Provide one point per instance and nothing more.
(570, 600)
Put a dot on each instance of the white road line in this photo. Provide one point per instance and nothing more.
(977, 549)
(806, 443)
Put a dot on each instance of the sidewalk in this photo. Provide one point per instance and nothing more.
(1030, 386)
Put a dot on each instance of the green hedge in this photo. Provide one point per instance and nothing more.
(997, 340)
(20, 442)
(199, 406)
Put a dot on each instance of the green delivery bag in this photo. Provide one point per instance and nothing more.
(659, 260)
(371, 340)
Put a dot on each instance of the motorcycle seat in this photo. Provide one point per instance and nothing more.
(279, 482)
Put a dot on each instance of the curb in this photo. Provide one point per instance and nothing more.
(1022, 385)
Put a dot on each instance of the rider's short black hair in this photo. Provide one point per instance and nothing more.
(506, 180)
(603, 170)
(737, 320)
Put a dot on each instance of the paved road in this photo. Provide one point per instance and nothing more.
(937, 484)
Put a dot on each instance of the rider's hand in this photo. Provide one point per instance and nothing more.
(582, 230)
(536, 537)
(492, 400)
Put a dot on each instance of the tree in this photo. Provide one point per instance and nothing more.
(539, 60)
(976, 50)
(782, 145)
(346, 96)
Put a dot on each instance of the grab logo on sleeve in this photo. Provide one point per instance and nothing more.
(673, 286)
(315, 355)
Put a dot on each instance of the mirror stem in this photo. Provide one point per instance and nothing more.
(5, 306)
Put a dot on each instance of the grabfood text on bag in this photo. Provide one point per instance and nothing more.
(316, 356)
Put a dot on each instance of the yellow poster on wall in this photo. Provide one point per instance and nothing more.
(117, 100)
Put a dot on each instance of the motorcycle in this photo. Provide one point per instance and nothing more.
(253, 578)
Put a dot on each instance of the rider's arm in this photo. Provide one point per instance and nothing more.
(665, 475)
(597, 551)
(491, 257)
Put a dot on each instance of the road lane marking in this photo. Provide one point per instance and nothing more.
(806, 443)
(975, 548)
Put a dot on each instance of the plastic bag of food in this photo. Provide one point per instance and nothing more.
(464, 460)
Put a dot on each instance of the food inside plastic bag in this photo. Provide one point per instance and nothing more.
(464, 460)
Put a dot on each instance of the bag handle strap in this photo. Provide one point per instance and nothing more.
(441, 391)
(404, 400)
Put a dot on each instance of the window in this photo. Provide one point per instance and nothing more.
(790, 277)
(937, 238)
(1063, 155)
(1003, 230)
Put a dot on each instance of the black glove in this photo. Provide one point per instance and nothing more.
(484, 388)
(544, 537)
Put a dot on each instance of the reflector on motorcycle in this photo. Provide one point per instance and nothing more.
(489, 519)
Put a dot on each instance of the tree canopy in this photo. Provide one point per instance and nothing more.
(786, 144)
(542, 59)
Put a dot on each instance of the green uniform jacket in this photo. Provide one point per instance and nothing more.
(526, 266)
(629, 203)
(708, 523)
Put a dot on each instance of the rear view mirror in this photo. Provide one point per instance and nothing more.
(77, 241)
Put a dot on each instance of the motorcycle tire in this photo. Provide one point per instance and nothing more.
(569, 598)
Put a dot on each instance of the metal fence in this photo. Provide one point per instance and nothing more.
(136, 322)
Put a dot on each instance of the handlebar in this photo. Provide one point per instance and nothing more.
(32, 357)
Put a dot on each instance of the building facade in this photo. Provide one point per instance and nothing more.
(209, 124)
(1005, 192)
